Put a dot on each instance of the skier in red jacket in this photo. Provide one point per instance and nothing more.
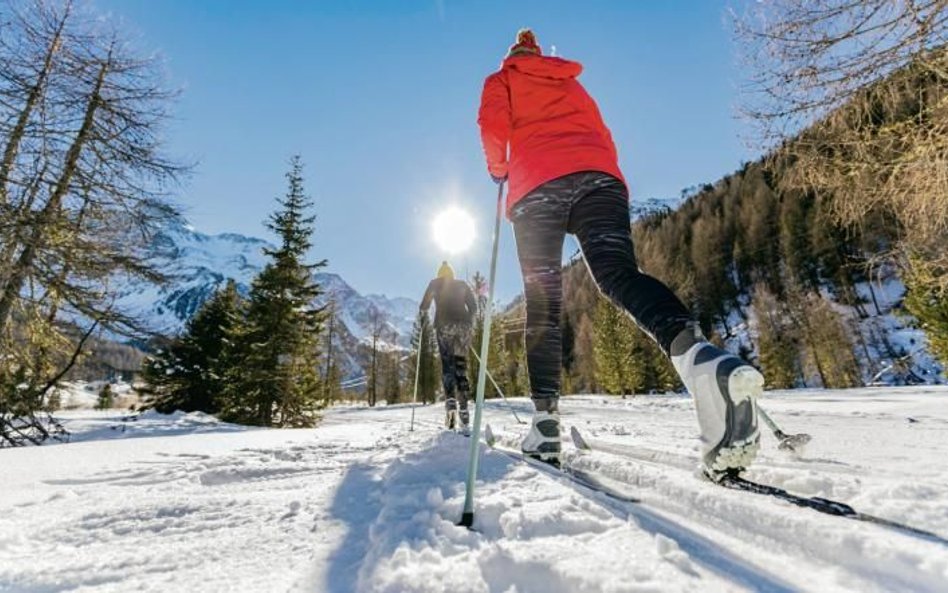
(543, 133)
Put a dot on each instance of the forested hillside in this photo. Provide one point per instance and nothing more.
(768, 271)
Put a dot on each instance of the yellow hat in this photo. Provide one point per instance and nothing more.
(445, 271)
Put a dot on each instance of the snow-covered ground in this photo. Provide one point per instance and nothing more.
(185, 503)
(74, 395)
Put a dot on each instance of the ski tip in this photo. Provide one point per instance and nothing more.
(578, 441)
(489, 435)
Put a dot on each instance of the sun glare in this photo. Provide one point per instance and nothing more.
(453, 230)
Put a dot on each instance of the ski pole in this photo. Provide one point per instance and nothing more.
(791, 442)
(467, 517)
(497, 387)
(414, 396)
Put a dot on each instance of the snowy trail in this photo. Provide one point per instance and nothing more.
(626, 505)
(362, 504)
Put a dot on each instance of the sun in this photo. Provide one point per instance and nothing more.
(453, 230)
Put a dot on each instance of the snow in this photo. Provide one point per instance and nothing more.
(85, 394)
(184, 502)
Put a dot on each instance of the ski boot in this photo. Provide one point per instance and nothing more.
(725, 389)
(543, 440)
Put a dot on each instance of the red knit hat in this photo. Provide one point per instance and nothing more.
(526, 43)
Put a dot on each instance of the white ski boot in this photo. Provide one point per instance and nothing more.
(725, 389)
(543, 440)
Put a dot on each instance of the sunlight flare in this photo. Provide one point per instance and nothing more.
(453, 230)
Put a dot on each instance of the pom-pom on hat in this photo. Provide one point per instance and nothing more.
(526, 44)
(445, 271)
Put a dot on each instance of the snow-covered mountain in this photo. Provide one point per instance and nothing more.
(199, 264)
(641, 208)
(358, 313)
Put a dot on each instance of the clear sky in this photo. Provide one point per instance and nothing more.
(380, 98)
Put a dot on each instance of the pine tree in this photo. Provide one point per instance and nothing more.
(423, 345)
(928, 302)
(392, 377)
(106, 398)
(659, 376)
(827, 347)
(511, 355)
(190, 373)
(374, 382)
(479, 286)
(332, 376)
(275, 380)
(777, 340)
(619, 365)
(332, 384)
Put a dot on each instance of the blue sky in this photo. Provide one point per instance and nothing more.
(380, 98)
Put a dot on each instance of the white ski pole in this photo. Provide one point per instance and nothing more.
(499, 390)
(414, 397)
(467, 518)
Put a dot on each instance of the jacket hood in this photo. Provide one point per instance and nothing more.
(543, 66)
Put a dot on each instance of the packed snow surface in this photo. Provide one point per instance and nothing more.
(360, 503)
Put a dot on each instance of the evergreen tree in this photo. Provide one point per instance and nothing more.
(392, 377)
(332, 376)
(515, 359)
(332, 384)
(275, 380)
(619, 364)
(106, 398)
(423, 344)
(190, 373)
(827, 347)
(831, 335)
(374, 383)
(479, 286)
(928, 302)
(660, 375)
(777, 341)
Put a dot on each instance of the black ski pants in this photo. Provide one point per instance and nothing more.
(593, 206)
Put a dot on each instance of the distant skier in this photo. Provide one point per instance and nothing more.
(455, 308)
(564, 177)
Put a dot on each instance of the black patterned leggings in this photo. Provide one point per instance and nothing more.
(454, 341)
(595, 207)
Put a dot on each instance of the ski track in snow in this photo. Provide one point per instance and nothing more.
(360, 504)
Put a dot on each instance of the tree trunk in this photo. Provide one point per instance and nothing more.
(24, 264)
(16, 135)
(373, 386)
(328, 386)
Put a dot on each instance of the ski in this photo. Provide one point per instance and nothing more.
(577, 476)
(822, 505)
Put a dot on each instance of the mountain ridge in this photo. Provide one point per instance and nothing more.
(198, 264)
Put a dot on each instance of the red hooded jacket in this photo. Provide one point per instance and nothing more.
(535, 105)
